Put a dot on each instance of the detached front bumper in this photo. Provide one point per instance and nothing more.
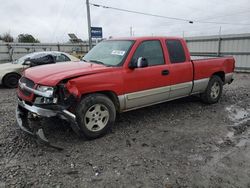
(24, 110)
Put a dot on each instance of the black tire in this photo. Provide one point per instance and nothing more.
(210, 96)
(11, 80)
(84, 108)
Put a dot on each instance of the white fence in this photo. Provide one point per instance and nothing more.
(12, 51)
(225, 45)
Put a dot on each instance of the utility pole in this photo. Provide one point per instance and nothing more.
(89, 24)
(220, 31)
(219, 43)
(131, 31)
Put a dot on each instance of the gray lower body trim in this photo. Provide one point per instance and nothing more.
(149, 97)
(122, 102)
(180, 90)
(149, 104)
(142, 98)
(153, 96)
(200, 85)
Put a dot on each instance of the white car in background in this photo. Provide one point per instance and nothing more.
(11, 72)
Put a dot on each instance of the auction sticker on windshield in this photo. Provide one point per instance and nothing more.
(118, 52)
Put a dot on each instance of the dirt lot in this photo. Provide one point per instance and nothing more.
(183, 143)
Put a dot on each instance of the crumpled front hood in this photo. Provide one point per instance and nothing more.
(52, 74)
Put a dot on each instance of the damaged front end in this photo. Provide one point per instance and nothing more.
(46, 102)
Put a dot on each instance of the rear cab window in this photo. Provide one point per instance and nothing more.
(176, 51)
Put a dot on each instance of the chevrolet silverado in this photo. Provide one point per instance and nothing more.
(117, 75)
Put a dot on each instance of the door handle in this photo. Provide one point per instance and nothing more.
(165, 72)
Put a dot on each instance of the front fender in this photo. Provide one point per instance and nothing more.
(96, 83)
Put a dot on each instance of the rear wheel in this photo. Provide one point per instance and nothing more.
(11, 80)
(95, 115)
(213, 91)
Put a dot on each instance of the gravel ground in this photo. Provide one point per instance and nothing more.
(182, 143)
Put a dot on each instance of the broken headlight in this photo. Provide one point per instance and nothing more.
(47, 90)
(46, 95)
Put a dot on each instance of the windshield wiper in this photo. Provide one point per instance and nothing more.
(97, 62)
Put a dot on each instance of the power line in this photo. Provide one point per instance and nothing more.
(147, 14)
(166, 17)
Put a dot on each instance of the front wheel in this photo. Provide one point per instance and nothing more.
(11, 80)
(213, 91)
(95, 115)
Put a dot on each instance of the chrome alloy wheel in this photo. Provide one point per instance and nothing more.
(96, 117)
(215, 90)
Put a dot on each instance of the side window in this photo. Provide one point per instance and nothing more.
(152, 51)
(175, 51)
(61, 58)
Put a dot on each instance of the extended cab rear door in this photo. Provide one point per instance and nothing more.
(148, 85)
(180, 68)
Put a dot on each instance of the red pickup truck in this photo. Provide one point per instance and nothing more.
(118, 75)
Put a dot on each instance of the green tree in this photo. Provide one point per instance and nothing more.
(27, 38)
(6, 37)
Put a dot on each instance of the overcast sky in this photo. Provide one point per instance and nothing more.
(52, 20)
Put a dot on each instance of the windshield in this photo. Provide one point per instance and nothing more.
(109, 53)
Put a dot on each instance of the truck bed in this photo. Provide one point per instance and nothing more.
(203, 57)
(204, 68)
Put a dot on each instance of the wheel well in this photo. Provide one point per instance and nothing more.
(9, 74)
(111, 95)
(221, 74)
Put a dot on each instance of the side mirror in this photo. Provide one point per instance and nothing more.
(141, 62)
(27, 62)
